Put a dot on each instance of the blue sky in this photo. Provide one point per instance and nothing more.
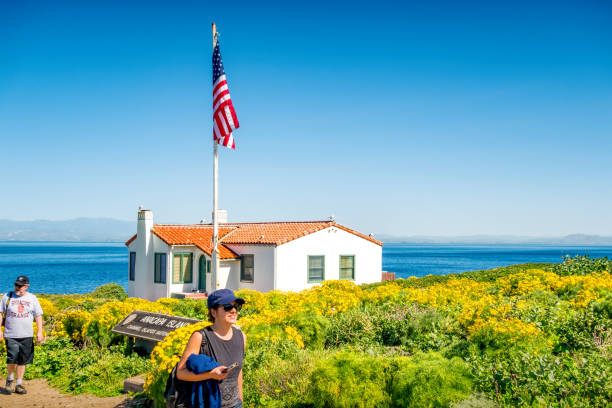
(437, 118)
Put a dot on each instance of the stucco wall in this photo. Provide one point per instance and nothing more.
(229, 274)
(132, 284)
(263, 257)
(143, 285)
(292, 258)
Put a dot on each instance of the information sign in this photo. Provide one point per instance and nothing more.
(150, 326)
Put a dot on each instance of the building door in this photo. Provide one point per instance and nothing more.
(202, 274)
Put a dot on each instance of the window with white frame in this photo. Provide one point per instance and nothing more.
(247, 270)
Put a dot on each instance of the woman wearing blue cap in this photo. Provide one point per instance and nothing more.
(213, 356)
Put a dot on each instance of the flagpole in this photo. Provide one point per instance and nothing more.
(215, 238)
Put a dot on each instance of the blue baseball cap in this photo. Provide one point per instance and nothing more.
(222, 297)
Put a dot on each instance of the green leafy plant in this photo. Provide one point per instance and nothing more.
(94, 370)
(353, 327)
(110, 291)
(430, 380)
(350, 380)
(312, 327)
(582, 265)
(570, 379)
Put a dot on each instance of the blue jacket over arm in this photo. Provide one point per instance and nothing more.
(204, 394)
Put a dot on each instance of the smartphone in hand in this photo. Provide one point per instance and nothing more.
(230, 368)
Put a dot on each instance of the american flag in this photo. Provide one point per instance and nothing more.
(224, 116)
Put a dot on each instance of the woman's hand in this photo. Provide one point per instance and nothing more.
(218, 374)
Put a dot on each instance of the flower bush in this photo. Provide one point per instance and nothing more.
(49, 309)
(72, 324)
(109, 314)
(524, 335)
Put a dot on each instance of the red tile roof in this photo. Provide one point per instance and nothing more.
(270, 233)
(274, 233)
(198, 235)
(129, 241)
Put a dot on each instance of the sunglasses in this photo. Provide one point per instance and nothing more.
(228, 307)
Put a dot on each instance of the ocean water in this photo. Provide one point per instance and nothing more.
(441, 259)
(66, 267)
(63, 267)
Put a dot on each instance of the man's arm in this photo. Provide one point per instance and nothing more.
(40, 337)
(38, 312)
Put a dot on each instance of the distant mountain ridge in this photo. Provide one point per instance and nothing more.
(112, 230)
(78, 229)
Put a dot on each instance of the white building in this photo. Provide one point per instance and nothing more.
(167, 260)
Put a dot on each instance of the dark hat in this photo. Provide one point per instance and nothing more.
(22, 280)
(222, 297)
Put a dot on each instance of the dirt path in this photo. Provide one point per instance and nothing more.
(42, 395)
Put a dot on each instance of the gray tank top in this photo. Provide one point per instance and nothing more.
(227, 352)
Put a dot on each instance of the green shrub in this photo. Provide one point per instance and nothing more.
(192, 308)
(101, 335)
(110, 291)
(350, 380)
(582, 265)
(312, 327)
(430, 380)
(570, 379)
(489, 275)
(99, 371)
(574, 330)
(603, 306)
(277, 379)
(354, 327)
(413, 327)
(64, 302)
(259, 351)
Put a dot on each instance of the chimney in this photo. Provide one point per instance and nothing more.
(145, 223)
(221, 216)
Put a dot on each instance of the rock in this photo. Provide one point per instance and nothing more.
(134, 384)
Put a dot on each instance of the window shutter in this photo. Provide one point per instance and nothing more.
(176, 269)
(187, 267)
(162, 268)
(132, 271)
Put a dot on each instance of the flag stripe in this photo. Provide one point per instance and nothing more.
(220, 101)
(223, 126)
(234, 117)
(219, 80)
(221, 87)
(229, 117)
(222, 92)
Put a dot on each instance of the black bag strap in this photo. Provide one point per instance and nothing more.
(205, 347)
(8, 301)
(11, 293)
